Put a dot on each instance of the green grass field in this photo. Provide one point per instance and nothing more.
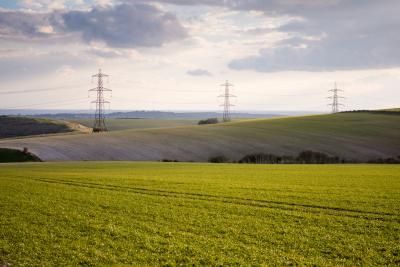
(199, 214)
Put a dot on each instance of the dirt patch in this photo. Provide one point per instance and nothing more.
(76, 127)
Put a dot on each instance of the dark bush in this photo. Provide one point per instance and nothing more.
(305, 157)
(312, 157)
(385, 161)
(262, 158)
(218, 159)
(169, 160)
(13, 155)
(209, 121)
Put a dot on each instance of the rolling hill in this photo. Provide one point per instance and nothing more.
(355, 136)
(127, 124)
(23, 126)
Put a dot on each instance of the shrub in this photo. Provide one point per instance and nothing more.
(261, 158)
(13, 155)
(209, 121)
(307, 157)
(218, 159)
(169, 160)
(312, 157)
(385, 161)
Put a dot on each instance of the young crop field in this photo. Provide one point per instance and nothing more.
(151, 214)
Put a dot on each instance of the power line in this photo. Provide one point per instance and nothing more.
(37, 90)
(100, 124)
(146, 89)
(227, 104)
(335, 99)
(52, 103)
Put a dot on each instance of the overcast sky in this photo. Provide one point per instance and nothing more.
(174, 54)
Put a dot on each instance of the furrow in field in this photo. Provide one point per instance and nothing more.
(317, 209)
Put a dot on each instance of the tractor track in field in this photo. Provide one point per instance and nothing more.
(280, 205)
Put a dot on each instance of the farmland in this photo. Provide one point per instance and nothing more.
(129, 124)
(166, 214)
(354, 136)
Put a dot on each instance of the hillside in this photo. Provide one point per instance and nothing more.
(23, 126)
(126, 124)
(153, 115)
(354, 136)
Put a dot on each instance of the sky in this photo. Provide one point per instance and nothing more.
(175, 54)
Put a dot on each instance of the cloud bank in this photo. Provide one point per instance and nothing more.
(127, 25)
(199, 72)
(323, 36)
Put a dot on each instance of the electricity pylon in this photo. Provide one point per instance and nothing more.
(227, 103)
(335, 99)
(99, 123)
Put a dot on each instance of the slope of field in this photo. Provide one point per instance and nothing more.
(127, 124)
(358, 136)
(23, 126)
(151, 214)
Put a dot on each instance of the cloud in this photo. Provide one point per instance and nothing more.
(105, 52)
(22, 64)
(48, 5)
(123, 26)
(322, 35)
(15, 24)
(337, 35)
(199, 72)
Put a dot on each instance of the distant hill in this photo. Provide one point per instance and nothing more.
(151, 115)
(393, 109)
(23, 126)
(360, 136)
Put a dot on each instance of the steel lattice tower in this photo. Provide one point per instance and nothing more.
(227, 103)
(99, 123)
(335, 99)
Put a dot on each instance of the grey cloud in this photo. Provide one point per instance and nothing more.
(345, 37)
(104, 53)
(330, 34)
(14, 24)
(337, 35)
(28, 65)
(199, 72)
(258, 31)
(123, 26)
